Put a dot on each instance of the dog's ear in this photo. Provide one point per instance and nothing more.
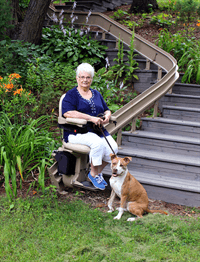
(112, 156)
(127, 159)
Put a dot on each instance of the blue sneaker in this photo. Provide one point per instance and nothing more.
(102, 179)
(96, 181)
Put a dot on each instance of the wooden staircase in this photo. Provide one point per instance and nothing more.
(166, 150)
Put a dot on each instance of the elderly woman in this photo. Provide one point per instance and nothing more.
(86, 103)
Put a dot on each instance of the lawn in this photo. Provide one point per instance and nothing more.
(47, 229)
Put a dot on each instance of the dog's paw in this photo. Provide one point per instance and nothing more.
(111, 209)
(117, 217)
(131, 219)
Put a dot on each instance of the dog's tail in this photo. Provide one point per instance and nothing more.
(157, 211)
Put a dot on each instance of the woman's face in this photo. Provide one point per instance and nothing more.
(84, 80)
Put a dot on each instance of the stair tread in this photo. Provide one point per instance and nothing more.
(161, 136)
(171, 121)
(159, 180)
(183, 95)
(182, 108)
(159, 156)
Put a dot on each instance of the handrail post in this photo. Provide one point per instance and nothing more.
(155, 111)
(148, 64)
(159, 73)
(133, 127)
(119, 137)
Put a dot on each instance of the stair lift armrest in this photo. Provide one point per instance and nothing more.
(72, 121)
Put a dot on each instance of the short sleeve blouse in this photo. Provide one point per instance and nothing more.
(93, 106)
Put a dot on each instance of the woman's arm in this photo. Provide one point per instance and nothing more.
(76, 114)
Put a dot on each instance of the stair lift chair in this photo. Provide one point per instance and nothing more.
(79, 163)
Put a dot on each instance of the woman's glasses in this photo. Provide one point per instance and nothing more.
(83, 77)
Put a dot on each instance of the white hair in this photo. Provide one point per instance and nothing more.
(85, 67)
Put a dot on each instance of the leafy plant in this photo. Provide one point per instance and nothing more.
(24, 148)
(125, 69)
(163, 20)
(119, 14)
(104, 83)
(5, 17)
(74, 47)
(188, 9)
(15, 57)
(15, 101)
(185, 50)
(190, 63)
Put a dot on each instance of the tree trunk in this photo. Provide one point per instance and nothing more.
(143, 6)
(31, 30)
(16, 18)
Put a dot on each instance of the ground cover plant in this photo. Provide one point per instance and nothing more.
(52, 230)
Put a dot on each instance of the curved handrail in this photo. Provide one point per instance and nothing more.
(153, 53)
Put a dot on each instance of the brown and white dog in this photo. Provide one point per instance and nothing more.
(132, 194)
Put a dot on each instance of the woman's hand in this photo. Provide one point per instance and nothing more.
(106, 117)
(97, 120)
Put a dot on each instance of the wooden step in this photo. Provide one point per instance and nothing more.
(162, 143)
(181, 113)
(171, 126)
(180, 100)
(186, 89)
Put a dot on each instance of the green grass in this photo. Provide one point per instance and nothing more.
(46, 229)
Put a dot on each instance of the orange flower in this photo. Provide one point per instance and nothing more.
(18, 91)
(9, 86)
(198, 24)
(1, 77)
(14, 75)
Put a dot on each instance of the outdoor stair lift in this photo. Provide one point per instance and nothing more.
(78, 163)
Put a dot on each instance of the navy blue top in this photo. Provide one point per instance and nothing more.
(93, 106)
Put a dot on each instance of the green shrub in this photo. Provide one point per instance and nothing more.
(15, 101)
(188, 10)
(185, 50)
(24, 148)
(74, 47)
(15, 57)
(5, 17)
(163, 20)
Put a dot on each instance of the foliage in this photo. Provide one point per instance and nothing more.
(5, 16)
(188, 10)
(24, 3)
(15, 101)
(163, 20)
(120, 14)
(24, 148)
(64, 77)
(190, 64)
(21, 54)
(185, 50)
(111, 93)
(52, 230)
(74, 47)
(125, 69)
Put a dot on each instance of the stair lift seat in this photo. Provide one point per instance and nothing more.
(81, 152)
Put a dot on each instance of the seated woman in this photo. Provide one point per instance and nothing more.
(86, 103)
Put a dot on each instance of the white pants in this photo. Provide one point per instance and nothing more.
(99, 148)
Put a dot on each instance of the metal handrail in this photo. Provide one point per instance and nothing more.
(151, 52)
